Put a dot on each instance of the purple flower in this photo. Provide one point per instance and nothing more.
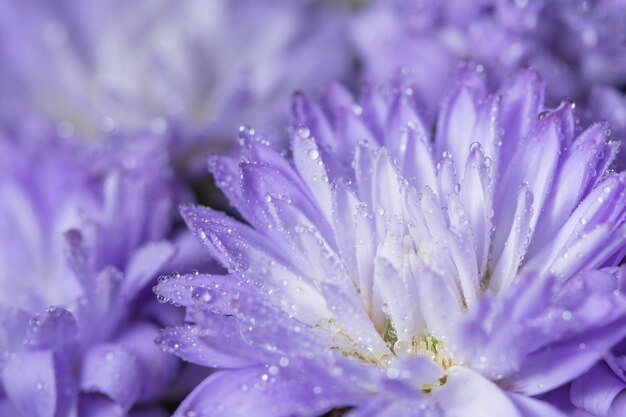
(386, 270)
(202, 68)
(575, 45)
(82, 232)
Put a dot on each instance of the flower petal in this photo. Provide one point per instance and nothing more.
(560, 362)
(145, 263)
(534, 163)
(464, 394)
(596, 390)
(530, 407)
(113, 371)
(252, 392)
(522, 101)
(226, 238)
(307, 158)
(56, 328)
(29, 380)
(458, 117)
(158, 368)
(219, 346)
(516, 243)
(577, 173)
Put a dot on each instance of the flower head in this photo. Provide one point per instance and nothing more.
(82, 230)
(388, 270)
(201, 68)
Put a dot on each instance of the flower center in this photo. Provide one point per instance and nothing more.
(425, 345)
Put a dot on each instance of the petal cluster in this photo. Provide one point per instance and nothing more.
(388, 266)
(76, 333)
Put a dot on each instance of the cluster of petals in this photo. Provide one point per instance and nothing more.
(390, 267)
(83, 231)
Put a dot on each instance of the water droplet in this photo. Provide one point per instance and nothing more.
(313, 154)
(303, 132)
(475, 147)
(202, 294)
(393, 373)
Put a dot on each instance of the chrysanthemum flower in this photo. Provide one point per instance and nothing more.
(577, 46)
(203, 67)
(81, 232)
(385, 270)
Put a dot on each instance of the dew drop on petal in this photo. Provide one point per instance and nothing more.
(202, 294)
(303, 132)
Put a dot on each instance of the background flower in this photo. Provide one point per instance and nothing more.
(394, 275)
(201, 68)
(83, 231)
(577, 46)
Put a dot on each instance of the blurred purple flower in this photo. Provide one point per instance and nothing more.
(81, 231)
(202, 67)
(383, 272)
(577, 45)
